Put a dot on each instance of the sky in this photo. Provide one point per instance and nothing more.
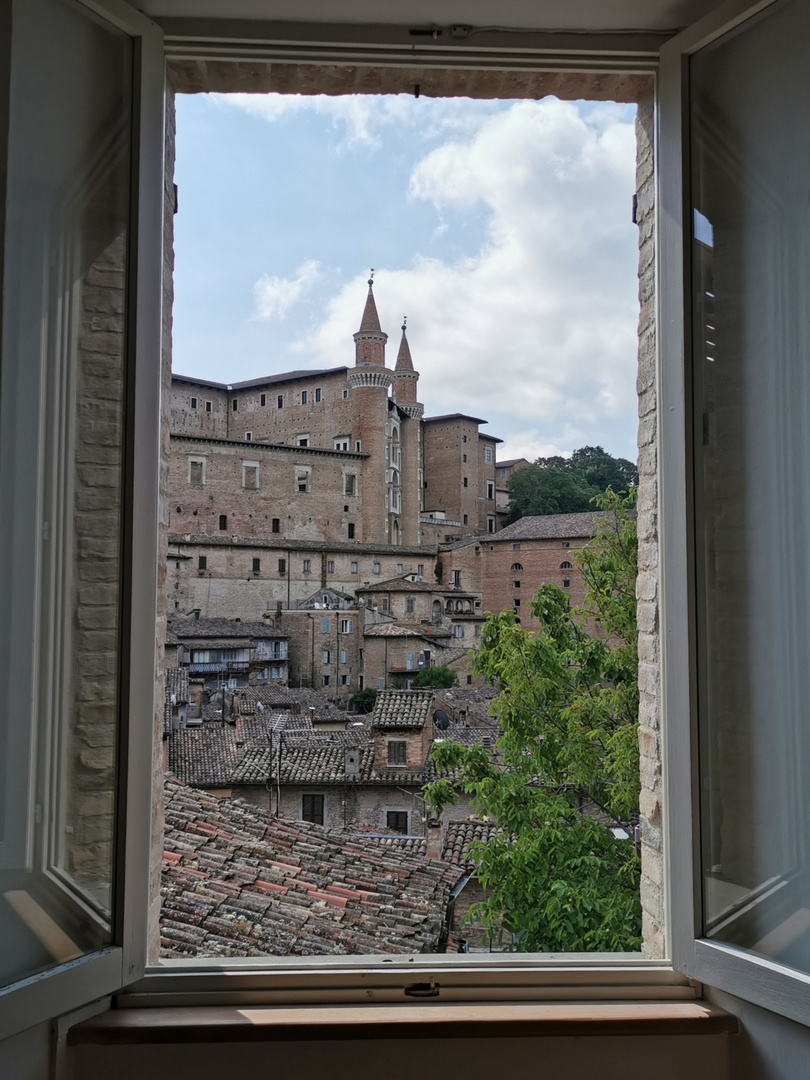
(502, 230)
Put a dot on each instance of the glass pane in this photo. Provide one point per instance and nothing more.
(61, 439)
(751, 278)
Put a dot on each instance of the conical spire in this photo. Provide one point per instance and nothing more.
(370, 320)
(404, 362)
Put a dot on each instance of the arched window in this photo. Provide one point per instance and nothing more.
(458, 605)
(449, 606)
(516, 566)
(565, 565)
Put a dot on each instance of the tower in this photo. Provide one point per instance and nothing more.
(369, 382)
(405, 380)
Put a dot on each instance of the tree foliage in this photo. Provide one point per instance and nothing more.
(557, 485)
(442, 677)
(557, 878)
(362, 701)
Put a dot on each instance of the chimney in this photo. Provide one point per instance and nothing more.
(433, 848)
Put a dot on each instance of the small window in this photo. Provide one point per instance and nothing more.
(487, 455)
(490, 489)
(223, 522)
(302, 479)
(566, 565)
(262, 399)
(257, 565)
(516, 603)
(344, 656)
(307, 566)
(208, 406)
(354, 568)
(409, 605)
(516, 566)
(565, 543)
(248, 436)
(503, 474)
(385, 603)
(351, 537)
(375, 568)
(345, 394)
(457, 578)
(328, 656)
(330, 566)
(250, 476)
(194, 403)
(325, 624)
(397, 821)
(282, 566)
(312, 808)
(566, 583)
(420, 571)
(516, 547)
(196, 472)
(469, 680)
(458, 631)
(465, 519)
(303, 397)
(302, 440)
(345, 626)
(327, 680)
(399, 567)
(202, 562)
(464, 458)
(275, 525)
(516, 584)
(341, 444)
(357, 446)
(381, 683)
(349, 484)
(280, 401)
(234, 405)
(491, 524)
(318, 394)
(345, 680)
(397, 752)
(464, 481)
(463, 438)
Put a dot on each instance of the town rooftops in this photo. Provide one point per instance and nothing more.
(401, 709)
(406, 583)
(266, 380)
(510, 462)
(454, 416)
(188, 627)
(548, 527)
(238, 882)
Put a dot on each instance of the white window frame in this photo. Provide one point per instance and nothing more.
(251, 465)
(196, 459)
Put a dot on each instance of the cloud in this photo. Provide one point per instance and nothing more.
(274, 296)
(541, 322)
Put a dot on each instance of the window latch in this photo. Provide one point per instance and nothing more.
(423, 989)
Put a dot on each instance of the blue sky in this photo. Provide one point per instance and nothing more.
(502, 230)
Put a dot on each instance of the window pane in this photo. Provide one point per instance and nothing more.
(61, 418)
(751, 279)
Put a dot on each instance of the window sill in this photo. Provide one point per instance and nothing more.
(218, 1024)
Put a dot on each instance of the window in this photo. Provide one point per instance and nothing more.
(409, 605)
(312, 809)
(349, 484)
(275, 525)
(345, 394)
(420, 571)
(317, 394)
(280, 401)
(345, 680)
(202, 562)
(306, 566)
(490, 489)
(464, 482)
(248, 436)
(250, 475)
(262, 399)
(303, 439)
(350, 531)
(345, 626)
(344, 656)
(282, 566)
(399, 567)
(490, 524)
(516, 547)
(458, 631)
(566, 544)
(234, 405)
(516, 603)
(327, 680)
(503, 474)
(357, 446)
(397, 751)
(330, 566)
(516, 584)
(341, 444)
(408, 662)
(381, 684)
(566, 565)
(196, 471)
(257, 565)
(353, 568)
(303, 397)
(463, 438)
(223, 522)
(566, 584)
(469, 680)
(516, 566)
(328, 656)
(457, 578)
(487, 455)
(465, 519)
(397, 821)
(384, 604)
(302, 478)
(464, 459)
(194, 403)
(325, 624)
(375, 568)
(208, 406)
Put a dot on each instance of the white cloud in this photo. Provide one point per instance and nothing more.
(274, 296)
(541, 322)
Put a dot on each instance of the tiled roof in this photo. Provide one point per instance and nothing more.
(459, 836)
(398, 630)
(399, 709)
(238, 882)
(189, 627)
(549, 527)
(177, 684)
(401, 584)
(267, 380)
(474, 700)
(509, 463)
(204, 756)
(455, 416)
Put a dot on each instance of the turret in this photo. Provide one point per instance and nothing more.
(369, 341)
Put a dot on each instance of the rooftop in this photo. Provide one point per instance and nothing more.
(266, 380)
(549, 527)
(400, 709)
(189, 627)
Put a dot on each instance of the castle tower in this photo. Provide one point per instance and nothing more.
(369, 382)
(405, 380)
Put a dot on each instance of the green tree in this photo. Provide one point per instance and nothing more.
(442, 677)
(557, 878)
(362, 701)
(558, 485)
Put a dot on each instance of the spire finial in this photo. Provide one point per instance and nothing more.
(404, 322)
(371, 279)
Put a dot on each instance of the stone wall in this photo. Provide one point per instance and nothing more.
(451, 458)
(652, 860)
